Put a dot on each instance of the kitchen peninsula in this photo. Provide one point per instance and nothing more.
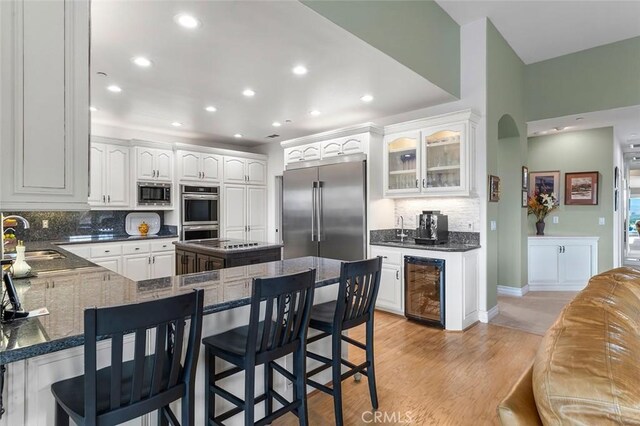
(40, 351)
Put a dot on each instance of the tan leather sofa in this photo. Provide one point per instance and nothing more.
(587, 369)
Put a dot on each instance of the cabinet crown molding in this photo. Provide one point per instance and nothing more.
(435, 120)
(220, 151)
(332, 134)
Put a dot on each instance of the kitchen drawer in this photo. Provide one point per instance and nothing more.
(166, 245)
(106, 250)
(81, 250)
(135, 248)
(389, 256)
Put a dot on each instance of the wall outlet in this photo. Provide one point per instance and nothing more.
(45, 224)
(601, 221)
(555, 219)
(493, 225)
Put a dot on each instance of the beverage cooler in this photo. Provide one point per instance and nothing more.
(424, 284)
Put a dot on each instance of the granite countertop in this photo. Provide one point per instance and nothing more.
(66, 293)
(110, 238)
(410, 244)
(207, 245)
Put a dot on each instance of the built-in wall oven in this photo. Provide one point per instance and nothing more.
(200, 212)
(424, 285)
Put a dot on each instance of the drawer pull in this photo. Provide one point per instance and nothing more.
(107, 251)
(137, 248)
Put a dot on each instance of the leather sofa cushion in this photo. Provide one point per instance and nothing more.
(587, 369)
(519, 407)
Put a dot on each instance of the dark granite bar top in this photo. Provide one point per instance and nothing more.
(66, 293)
(70, 260)
(410, 244)
(224, 246)
(111, 238)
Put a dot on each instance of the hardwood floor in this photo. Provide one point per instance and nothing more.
(431, 377)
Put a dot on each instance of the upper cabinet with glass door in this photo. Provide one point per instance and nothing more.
(430, 157)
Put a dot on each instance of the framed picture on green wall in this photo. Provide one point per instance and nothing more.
(581, 189)
(525, 198)
(525, 177)
(545, 183)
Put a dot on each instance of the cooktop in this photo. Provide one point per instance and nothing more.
(226, 244)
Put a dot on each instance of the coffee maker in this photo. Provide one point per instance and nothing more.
(432, 227)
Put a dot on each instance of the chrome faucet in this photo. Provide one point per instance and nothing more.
(25, 224)
(402, 235)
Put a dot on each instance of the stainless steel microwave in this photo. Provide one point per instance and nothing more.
(154, 194)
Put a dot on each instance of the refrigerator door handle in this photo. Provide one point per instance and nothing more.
(314, 202)
(319, 212)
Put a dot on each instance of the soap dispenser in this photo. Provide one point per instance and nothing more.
(20, 267)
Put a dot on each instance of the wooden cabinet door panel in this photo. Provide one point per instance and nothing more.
(256, 172)
(117, 176)
(234, 169)
(97, 170)
(164, 165)
(211, 166)
(189, 166)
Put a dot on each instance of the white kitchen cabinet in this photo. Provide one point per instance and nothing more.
(163, 264)
(245, 212)
(245, 170)
(561, 263)
(343, 146)
(390, 292)
(307, 152)
(111, 263)
(109, 176)
(154, 164)
(137, 267)
(430, 157)
(44, 99)
(199, 167)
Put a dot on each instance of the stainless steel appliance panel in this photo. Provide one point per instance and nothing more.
(200, 205)
(298, 219)
(341, 201)
(190, 233)
(154, 194)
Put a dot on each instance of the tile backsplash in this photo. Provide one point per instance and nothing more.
(462, 212)
(63, 224)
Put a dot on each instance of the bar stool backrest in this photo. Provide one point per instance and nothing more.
(288, 300)
(170, 375)
(359, 285)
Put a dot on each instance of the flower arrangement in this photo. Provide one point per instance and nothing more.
(541, 204)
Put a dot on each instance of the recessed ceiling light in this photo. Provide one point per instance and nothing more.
(141, 61)
(579, 118)
(115, 89)
(299, 70)
(315, 113)
(248, 93)
(176, 124)
(276, 124)
(366, 98)
(211, 108)
(93, 109)
(187, 21)
(544, 132)
(633, 134)
(237, 136)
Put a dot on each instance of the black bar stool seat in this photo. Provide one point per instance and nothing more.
(355, 304)
(279, 331)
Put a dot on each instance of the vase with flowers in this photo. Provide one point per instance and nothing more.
(540, 205)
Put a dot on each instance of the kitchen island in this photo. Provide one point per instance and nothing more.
(211, 254)
(40, 351)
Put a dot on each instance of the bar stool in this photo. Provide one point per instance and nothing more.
(126, 390)
(359, 284)
(282, 330)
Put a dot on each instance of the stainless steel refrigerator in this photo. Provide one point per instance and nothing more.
(324, 211)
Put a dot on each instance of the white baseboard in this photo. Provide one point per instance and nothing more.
(556, 287)
(513, 291)
(486, 316)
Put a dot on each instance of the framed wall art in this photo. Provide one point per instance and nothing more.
(525, 177)
(525, 198)
(581, 189)
(494, 188)
(545, 183)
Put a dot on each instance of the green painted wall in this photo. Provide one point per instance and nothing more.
(596, 79)
(579, 151)
(418, 34)
(505, 157)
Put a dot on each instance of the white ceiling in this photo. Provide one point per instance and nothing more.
(537, 29)
(241, 44)
(625, 123)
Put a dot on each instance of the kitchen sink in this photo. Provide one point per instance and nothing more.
(39, 255)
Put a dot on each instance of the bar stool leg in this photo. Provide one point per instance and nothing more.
(249, 395)
(299, 390)
(371, 373)
(62, 418)
(162, 419)
(268, 385)
(209, 380)
(336, 368)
